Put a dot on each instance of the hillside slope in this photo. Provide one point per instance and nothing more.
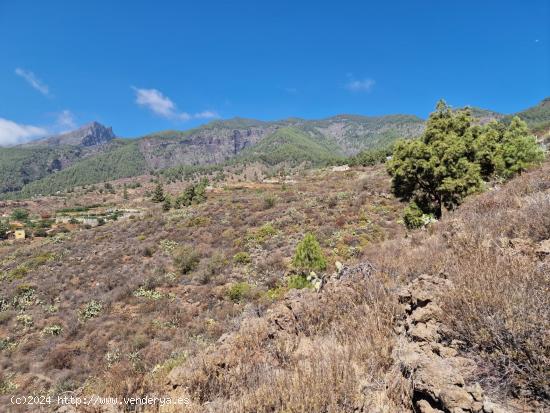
(472, 326)
(292, 146)
(122, 160)
(20, 165)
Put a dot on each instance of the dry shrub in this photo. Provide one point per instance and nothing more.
(500, 308)
(500, 304)
(321, 358)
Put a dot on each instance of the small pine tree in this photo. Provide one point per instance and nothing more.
(308, 255)
(158, 194)
(125, 192)
(167, 203)
(20, 214)
(4, 228)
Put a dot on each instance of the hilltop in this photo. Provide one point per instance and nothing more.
(92, 154)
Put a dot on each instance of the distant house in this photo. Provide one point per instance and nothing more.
(19, 234)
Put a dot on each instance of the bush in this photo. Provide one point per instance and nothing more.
(20, 214)
(239, 291)
(40, 232)
(308, 256)
(4, 228)
(193, 194)
(90, 310)
(147, 293)
(242, 258)
(266, 231)
(298, 282)
(53, 330)
(413, 217)
(269, 202)
(186, 259)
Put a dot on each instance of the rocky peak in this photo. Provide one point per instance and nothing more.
(90, 134)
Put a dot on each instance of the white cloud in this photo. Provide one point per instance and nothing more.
(206, 114)
(163, 106)
(12, 133)
(32, 80)
(65, 121)
(364, 85)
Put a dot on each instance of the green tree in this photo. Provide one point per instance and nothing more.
(308, 255)
(453, 158)
(193, 194)
(20, 214)
(518, 149)
(503, 151)
(4, 228)
(158, 193)
(439, 169)
(125, 192)
(167, 203)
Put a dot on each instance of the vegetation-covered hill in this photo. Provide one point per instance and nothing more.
(537, 117)
(122, 161)
(20, 165)
(292, 146)
(218, 143)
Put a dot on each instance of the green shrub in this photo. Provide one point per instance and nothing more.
(269, 202)
(298, 282)
(53, 330)
(20, 214)
(186, 259)
(413, 217)
(242, 258)
(239, 291)
(4, 228)
(309, 256)
(91, 310)
(18, 272)
(193, 194)
(25, 320)
(167, 203)
(266, 231)
(167, 245)
(147, 293)
(40, 232)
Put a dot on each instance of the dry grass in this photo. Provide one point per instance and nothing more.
(324, 352)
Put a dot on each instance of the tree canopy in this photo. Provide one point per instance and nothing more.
(453, 158)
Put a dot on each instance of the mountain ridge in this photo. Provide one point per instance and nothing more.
(215, 143)
(89, 134)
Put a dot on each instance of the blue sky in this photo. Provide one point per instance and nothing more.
(143, 66)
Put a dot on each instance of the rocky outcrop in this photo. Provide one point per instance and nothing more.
(91, 134)
(437, 372)
(202, 146)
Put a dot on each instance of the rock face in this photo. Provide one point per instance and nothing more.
(433, 367)
(91, 134)
(221, 140)
(205, 146)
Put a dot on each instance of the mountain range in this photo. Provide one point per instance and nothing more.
(94, 154)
